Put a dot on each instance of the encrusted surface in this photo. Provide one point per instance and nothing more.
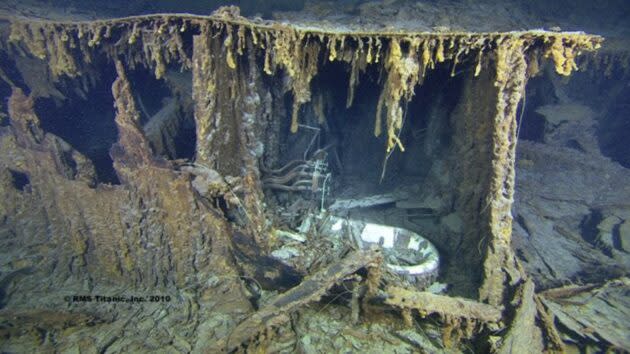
(157, 230)
(405, 56)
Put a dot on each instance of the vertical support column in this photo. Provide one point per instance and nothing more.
(471, 120)
(204, 94)
(218, 104)
(500, 268)
(228, 114)
(252, 124)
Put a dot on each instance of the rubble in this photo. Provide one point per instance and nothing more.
(551, 232)
(207, 226)
(596, 312)
(310, 290)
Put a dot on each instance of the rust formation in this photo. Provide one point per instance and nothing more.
(170, 224)
(156, 41)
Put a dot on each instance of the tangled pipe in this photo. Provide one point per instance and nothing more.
(301, 176)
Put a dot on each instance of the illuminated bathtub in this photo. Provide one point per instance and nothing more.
(406, 253)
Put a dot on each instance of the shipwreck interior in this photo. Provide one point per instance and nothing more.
(83, 116)
(85, 121)
(289, 187)
(358, 178)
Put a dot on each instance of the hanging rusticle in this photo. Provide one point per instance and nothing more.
(69, 46)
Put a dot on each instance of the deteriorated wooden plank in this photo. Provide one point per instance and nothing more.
(427, 303)
(596, 314)
(564, 292)
(310, 290)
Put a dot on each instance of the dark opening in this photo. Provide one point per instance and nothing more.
(345, 148)
(531, 124)
(426, 132)
(612, 133)
(166, 112)
(20, 179)
(348, 133)
(86, 121)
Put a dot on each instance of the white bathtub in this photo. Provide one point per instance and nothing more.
(406, 253)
